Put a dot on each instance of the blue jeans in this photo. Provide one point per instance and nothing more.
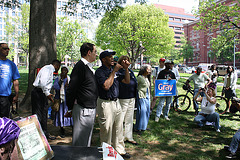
(200, 119)
(195, 103)
(235, 142)
(161, 104)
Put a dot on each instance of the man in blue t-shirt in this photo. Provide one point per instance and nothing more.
(8, 75)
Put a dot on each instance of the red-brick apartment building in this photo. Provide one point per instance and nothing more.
(177, 17)
(201, 42)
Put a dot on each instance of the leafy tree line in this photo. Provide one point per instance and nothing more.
(155, 39)
(42, 33)
(69, 38)
(217, 16)
(136, 30)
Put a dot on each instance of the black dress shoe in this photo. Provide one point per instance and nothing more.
(126, 156)
(50, 137)
(62, 136)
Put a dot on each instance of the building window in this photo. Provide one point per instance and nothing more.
(178, 32)
(177, 28)
(177, 19)
(171, 18)
(171, 27)
(177, 37)
(59, 3)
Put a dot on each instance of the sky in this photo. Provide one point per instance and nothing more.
(186, 4)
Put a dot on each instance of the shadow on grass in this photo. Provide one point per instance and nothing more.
(181, 138)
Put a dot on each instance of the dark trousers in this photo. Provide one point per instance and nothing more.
(40, 107)
(4, 106)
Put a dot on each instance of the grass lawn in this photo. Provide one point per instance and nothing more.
(178, 139)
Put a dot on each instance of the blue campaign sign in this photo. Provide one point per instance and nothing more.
(165, 87)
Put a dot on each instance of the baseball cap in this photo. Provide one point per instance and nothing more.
(167, 61)
(162, 59)
(106, 53)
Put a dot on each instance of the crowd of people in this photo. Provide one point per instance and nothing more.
(112, 92)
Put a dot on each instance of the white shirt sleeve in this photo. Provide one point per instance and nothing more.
(44, 79)
(234, 80)
(176, 74)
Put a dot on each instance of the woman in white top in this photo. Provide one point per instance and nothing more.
(230, 83)
(208, 104)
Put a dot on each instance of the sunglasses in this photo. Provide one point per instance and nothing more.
(5, 48)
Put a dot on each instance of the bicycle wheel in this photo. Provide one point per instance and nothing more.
(221, 104)
(181, 103)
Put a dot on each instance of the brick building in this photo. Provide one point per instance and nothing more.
(177, 17)
(201, 42)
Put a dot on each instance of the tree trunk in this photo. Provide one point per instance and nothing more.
(42, 41)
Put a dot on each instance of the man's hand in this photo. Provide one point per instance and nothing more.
(50, 97)
(68, 114)
(117, 67)
(15, 99)
(154, 98)
(125, 64)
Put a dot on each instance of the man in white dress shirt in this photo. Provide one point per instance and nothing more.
(41, 93)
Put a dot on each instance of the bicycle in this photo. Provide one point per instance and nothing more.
(184, 101)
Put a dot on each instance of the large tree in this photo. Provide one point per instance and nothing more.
(136, 30)
(42, 40)
(217, 16)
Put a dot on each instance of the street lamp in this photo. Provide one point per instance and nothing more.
(234, 54)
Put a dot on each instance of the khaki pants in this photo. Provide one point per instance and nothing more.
(128, 106)
(111, 129)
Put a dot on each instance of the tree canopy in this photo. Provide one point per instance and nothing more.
(217, 16)
(69, 38)
(136, 30)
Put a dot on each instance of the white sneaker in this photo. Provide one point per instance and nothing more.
(167, 118)
(156, 119)
(218, 130)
